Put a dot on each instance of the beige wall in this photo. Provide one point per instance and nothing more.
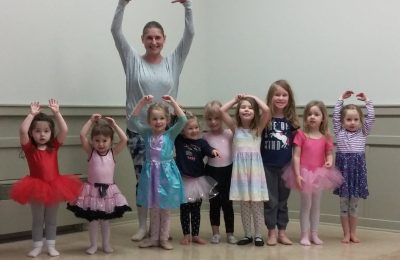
(380, 210)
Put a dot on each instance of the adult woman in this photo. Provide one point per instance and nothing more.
(149, 74)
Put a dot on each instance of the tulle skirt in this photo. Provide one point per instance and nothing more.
(199, 188)
(62, 188)
(320, 179)
(95, 202)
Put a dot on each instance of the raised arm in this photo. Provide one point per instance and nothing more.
(87, 147)
(177, 109)
(337, 124)
(61, 124)
(230, 123)
(182, 49)
(370, 117)
(24, 128)
(265, 115)
(123, 139)
(121, 43)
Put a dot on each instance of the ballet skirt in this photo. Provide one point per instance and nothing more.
(199, 188)
(44, 184)
(315, 175)
(100, 197)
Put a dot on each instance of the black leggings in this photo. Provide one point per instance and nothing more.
(223, 176)
(190, 216)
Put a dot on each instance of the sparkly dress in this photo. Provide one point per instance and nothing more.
(160, 182)
(248, 178)
(350, 154)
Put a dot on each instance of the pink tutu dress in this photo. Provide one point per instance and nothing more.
(315, 176)
(100, 197)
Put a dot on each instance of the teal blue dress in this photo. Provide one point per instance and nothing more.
(160, 183)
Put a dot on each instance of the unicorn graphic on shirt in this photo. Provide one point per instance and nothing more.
(281, 137)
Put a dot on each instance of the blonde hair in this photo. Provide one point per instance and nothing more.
(212, 108)
(160, 107)
(351, 107)
(323, 128)
(289, 111)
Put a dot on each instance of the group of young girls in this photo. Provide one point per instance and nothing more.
(256, 160)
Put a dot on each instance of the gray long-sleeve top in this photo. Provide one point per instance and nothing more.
(143, 78)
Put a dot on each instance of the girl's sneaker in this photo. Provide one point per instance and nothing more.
(215, 239)
(232, 239)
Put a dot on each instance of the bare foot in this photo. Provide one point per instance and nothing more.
(354, 238)
(346, 238)
(283, 239)
(185, 240)
(199, 240)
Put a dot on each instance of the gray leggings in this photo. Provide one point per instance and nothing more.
(349, 206)
(44, 216)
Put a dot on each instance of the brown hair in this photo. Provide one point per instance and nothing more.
(254, 123)
(153, 24)
(102, 127)
(42, 117)
(289, 111)
(323, 128)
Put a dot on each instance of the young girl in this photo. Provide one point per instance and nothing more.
(190, 152)
(248, 184)
(160, 185)
(100, 199)
(312, 169)
(219, 169)
(44, 188)
(351, 133)
(276, 152)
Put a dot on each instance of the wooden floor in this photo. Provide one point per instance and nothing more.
(375, 245)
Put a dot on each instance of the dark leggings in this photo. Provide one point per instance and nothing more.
(223, 176)
(190, 216)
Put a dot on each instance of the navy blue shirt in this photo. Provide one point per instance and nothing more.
(190, 154)
(277, 143)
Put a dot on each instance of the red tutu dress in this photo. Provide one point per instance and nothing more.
(44, 184)
(312, 159)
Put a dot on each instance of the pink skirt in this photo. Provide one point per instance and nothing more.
(92, 204)
(320, 179)
(199, 188)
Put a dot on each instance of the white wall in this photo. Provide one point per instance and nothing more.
(64, 49)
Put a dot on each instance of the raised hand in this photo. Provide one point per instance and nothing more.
(179, 1)
(111, 121)
(53, 105)
(35, 108)
(347, 94)
(147, 99)
(361, 96)
(95, 117)
(168, 98)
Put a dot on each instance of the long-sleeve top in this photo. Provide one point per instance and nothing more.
(143, 78)
(352, 142)
(190, 154)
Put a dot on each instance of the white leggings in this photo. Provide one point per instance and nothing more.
(310, 211)
(255, 209)
(159, 224)
(44, 216)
